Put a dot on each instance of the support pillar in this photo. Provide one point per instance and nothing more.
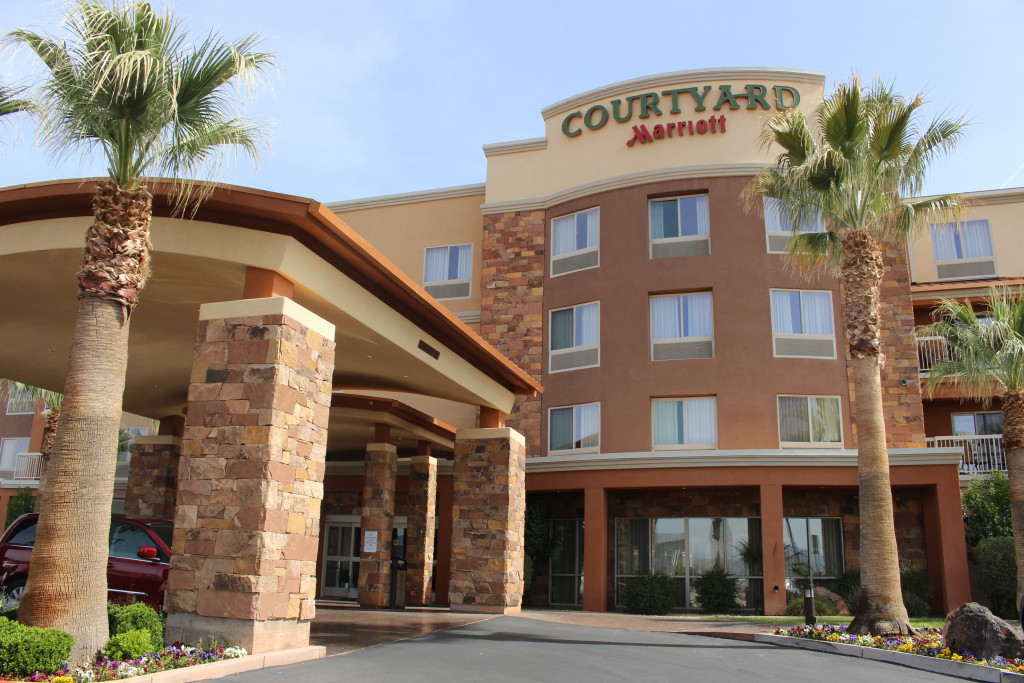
(773, 556)
(443, 570)
(376, 524)
(946, 545)
(251, 476)
(153, 476)
(488, 516)
(595, 550)
(419, 553)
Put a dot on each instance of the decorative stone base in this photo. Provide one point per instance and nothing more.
(256, 636)
(378, 517)
(488, 514)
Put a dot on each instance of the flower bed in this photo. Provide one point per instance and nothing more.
(175, 656)
(928, 642)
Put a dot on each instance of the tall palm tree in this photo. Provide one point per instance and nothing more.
(851, 168)
(986, 355)
(10, 102)
(125, 82)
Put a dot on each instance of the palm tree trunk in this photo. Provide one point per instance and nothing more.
(45, 450)
(881, 608)
(67, 587)
(1013, 441)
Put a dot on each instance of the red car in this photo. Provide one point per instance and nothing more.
(140, 555)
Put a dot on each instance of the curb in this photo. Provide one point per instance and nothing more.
(226, 667)
(970, 672)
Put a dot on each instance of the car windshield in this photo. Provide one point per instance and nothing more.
(164, 531)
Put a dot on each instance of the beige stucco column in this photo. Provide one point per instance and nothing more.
(153, 476)
(419, 540)
(488, 515)
(251, 473)
(376, 524)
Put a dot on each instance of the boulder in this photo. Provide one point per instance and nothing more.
(842, 609)
(973, 628)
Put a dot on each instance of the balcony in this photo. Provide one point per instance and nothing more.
(27, 467)
(982, 454)
(930, 350)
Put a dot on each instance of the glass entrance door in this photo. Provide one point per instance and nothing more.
(341, 559)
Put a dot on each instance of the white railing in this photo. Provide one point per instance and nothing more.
(982, 454)
(931, 350)
(27, 466)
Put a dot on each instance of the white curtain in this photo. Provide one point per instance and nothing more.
(699, 421)
(660, 211)
(774, 220)
(793, 423)
(944, 242)
(587, 324)
(462, 260)
(563, 235)
(666, 425)
(666, 318)
(436, 266)
(816, 312)
(697, 314)
(975, 238)
(588, 425)
(784, 305)
(587, 229)
(701, 209)
(825, 420)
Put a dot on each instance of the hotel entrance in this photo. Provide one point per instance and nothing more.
(340, 569)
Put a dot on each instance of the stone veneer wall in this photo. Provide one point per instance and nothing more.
(419, 550)
(511, 304)
(902, 406)
(378, 514)
(153, 476)
(250, 483)
(488, 511)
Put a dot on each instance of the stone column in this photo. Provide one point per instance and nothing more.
(419, 539)
(378, 518)
(773, 553)
(153, 476)
(251, 476)
(488, 514)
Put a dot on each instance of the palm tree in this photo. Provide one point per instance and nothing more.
(850, 169)
(986, 354)
(125, 82)
(52, 401)
(10, 103)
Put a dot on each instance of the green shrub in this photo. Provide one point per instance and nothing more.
(716, 591)
(822, 607)
(25, 650)
(997, 574)
(653, 593)
(986, 506)
(848, 587)
(20, 503)
(917, 591)
(124, 618)
(130, 644)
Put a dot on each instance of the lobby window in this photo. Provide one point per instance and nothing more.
(684, 423)
(682, 327)
(575, 337)
(963, 250)
(575, 429)
(446, 271)
(575, 241)
(810, 421)
(20, 402)
(778, 226)
(679, 227)
(814, 552)
(802, 324)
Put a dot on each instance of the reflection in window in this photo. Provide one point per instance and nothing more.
(814, 552)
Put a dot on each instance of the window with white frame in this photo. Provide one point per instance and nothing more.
(963, 250)
(10, 449)
(575, 242)
(778, 226)
(684, 423)
(574, 428)
(20, 402)
(680, 227)
(446, 271)
(810, 421)
(682, 326)
(575, 337)
(802, 324)
(977, 424)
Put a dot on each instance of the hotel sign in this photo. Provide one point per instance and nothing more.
(672, 102)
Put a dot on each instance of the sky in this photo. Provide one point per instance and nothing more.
(375, 98)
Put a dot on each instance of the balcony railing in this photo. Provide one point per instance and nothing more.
(930, 350)
(27, 466)
(982, 454)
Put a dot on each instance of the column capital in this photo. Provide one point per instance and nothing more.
(276, 305)
(490, 433)
(377, 447)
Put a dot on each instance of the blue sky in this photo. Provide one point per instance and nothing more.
(382, 98)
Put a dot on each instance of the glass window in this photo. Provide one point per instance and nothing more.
(681, 315)
(778, 219)
(575, 232)
(20, 402)
(575, 427)
(977, 424)
(801, 312)
(684, 423)
(10, 449)
(26, 535)
(810, 420)
(814, 551)
(127, 538)
(958, 241)
(575, 326)
(444, 264)
(566, 562)
(679, 217)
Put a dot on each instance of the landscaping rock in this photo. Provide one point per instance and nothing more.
(973, 628)
(842, 609)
